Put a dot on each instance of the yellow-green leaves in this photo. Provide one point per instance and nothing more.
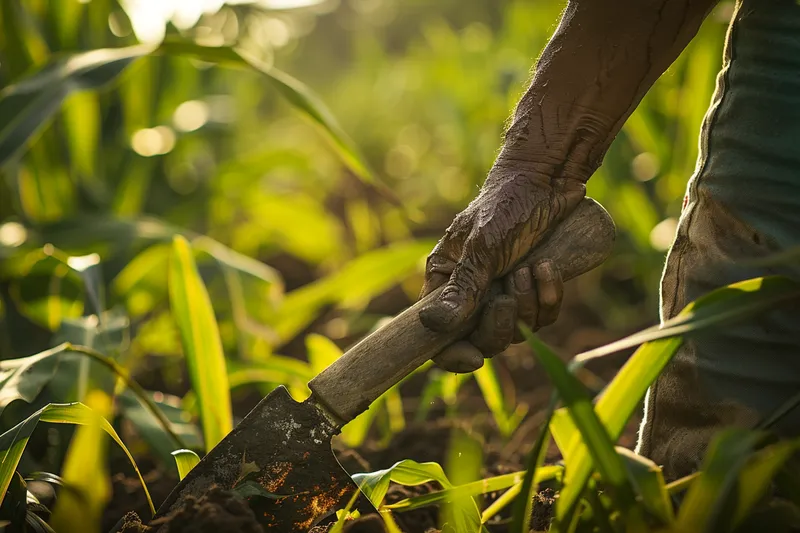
(374, 485)
(507, 419)
(623, 394)
(191, 307)
(86, 473)
(30, 104)
(185, 460)
(594, 434)
(13, 441)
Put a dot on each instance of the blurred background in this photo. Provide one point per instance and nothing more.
(177, 144)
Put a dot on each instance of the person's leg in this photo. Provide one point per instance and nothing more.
(743, 203)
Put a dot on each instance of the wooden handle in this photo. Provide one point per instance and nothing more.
(355, 380)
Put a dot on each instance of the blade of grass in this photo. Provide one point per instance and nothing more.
(13, 441)
(28, 105)
(338, 527)
(594, 434)
(757, 476)
(501, 503)
(482, 486)
(374, 485)
(185, 460)
(722, 306)
(85, 471)
(507, 420)
(17, 367)
(293, 90)
(726, 456)
(649, 484)
(191, 307)
(521, 514)
(623, 394)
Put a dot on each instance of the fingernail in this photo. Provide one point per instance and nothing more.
(522, 279)
(546, 271)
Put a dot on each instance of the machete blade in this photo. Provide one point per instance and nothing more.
(285, 448)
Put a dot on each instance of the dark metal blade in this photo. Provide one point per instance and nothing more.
(285, 448)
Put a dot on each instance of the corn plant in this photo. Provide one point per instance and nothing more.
(607, 488)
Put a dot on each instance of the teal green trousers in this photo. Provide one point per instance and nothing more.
(743, 202)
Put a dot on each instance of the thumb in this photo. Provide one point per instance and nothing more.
(463, 292)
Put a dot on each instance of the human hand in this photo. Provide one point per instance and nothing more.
(517, 205)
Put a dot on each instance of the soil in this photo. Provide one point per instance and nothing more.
(578, 329)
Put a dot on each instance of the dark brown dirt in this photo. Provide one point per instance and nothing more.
(523, 382)
(216, 511)
(127, 489)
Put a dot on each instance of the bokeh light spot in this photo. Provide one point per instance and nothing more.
(82, 262)
(645, 166)
(190, 115)
(153, 141)
(662, 235)
(12, 234)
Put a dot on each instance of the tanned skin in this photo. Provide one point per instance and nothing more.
(601, 60)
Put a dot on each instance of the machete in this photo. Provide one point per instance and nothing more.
(283, 447)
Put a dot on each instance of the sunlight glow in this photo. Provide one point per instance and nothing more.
(153, 141)
(663, 233)
(149, 17)
(190, 115)
(12, 234)
(82, 262)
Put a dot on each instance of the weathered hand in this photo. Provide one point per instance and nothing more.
(515, 208)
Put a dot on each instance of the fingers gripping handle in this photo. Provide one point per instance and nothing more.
(355, 380)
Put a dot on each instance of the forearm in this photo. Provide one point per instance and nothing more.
(598, 65)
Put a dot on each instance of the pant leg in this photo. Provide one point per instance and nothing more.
(743, 202)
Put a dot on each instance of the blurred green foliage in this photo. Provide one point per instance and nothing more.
(424, 90)
(304, 237)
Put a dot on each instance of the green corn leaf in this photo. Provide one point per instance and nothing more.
(757, 475)
(293, 90)
(521, 513)
(185, 460)
(723, 306)
(28, 105)
(482, 486)
(648, 481)
(321, 352)
(623, 394)
(191, 307)
(152, 430)
(13, 441)
(85, 472)
(564, 432)
(507, 419)
(579, 404)
(81, 118)
(352, 286)
(25, 377)
(375, 484)
(501, 503)
(37, 371)
(276, 369)
(338, 527)
(726, 456)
